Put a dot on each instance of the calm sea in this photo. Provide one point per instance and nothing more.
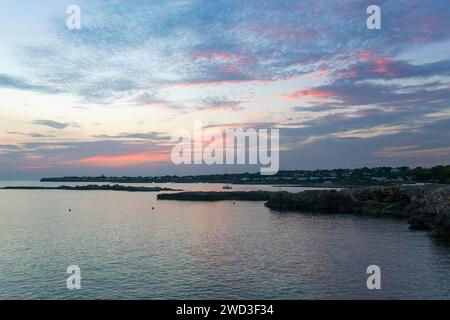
(131, 246)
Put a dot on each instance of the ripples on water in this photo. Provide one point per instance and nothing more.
(213, 250)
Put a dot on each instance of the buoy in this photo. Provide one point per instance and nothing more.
(70, 210)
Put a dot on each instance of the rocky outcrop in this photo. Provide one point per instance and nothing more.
(389, 201)
(425, 207)
(436, 213)
(216, 196)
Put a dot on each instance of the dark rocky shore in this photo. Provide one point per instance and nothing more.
(217, 196)
(93, 187)
(425, 207)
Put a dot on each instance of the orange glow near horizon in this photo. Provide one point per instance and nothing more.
(312, 93)
(118, 161)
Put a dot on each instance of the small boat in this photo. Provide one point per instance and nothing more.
(227, 187)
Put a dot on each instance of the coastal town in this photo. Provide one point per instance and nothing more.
(380, 176)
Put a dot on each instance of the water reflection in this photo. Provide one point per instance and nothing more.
(215, 250)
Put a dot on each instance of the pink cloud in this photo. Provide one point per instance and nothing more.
(370, 63)
(311, 93)
(117, 161)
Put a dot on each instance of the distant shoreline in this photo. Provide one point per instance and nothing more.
(328, 178)
(93, 188)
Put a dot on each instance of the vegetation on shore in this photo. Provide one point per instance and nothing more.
(381, 176)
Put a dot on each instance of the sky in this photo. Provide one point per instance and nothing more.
(106, 98)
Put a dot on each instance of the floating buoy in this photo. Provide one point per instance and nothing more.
(70, 210)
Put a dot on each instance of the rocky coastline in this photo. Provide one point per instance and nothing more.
(94, 187)
(216, 196)
(425, 207)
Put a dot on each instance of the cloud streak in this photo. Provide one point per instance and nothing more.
(56, 124)
(342, 95)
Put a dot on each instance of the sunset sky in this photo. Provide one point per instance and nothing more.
(106, 98)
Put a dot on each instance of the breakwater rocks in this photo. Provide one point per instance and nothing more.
(216, 196)
(94, 187)
(425, 207)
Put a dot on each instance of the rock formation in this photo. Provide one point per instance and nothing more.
(94, 187)
(425, 207)
(216, 196)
